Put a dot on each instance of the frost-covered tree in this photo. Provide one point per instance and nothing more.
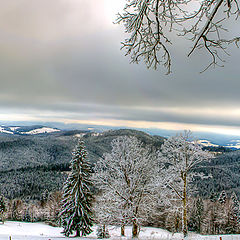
(210, 217)
(54, 206)
(199, 213)
(44, 197)
(106, 210)
(153, 24)
(126, 179)
(233, 223)
(179, 157)
(16, 209)
(76, 214)
(235, 207)
(196, 217)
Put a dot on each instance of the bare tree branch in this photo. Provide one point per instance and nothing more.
(149, 21)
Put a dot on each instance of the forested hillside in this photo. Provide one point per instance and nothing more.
(31, 164)
(224, 171)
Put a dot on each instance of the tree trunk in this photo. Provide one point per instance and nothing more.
(134, 229)
(199, 224)
(104, 229)
(184, 227)
(122, 230)
(77, 233)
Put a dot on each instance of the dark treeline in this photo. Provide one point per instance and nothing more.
(29, 183)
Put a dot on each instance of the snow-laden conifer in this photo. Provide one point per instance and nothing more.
(235, 207)
(76, 214)
(222, 197)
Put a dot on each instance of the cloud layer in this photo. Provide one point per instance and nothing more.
(61, 60)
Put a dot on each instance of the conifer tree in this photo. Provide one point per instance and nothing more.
(2, 208)
(232, 225)
(197, 215)
(76, 214)
(222, 197)
(27, 216)
(235, 207)
(199, 212)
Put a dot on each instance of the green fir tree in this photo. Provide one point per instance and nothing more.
(76, 214)
(222, 197)
(2, 208)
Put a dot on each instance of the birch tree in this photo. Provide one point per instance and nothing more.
(149, 22)
(179, 157)
(126, 178)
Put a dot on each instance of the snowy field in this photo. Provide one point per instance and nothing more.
(41, 231)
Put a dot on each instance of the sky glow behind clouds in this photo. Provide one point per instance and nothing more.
(61, 61)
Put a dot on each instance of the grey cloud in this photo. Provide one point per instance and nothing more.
(57, 56)
(94, 111)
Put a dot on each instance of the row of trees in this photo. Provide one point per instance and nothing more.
(217, 215)
(134, 185)
(133, 181)
(46, 210)
(206, 216)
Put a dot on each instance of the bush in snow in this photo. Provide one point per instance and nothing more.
(102, 232)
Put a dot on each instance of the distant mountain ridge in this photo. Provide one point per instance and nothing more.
(232, 144)
(27, 130)
(206, 141)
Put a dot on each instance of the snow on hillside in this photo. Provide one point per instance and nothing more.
(41, 231)
(234, 144)
(207, 143)
(30, 131)
(14, 128)
(2, 129)
(41, 130)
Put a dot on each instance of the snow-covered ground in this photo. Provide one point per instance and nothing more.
(41, 231)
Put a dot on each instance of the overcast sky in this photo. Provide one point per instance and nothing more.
(61, 61)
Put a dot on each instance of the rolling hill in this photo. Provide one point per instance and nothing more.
(31, 163)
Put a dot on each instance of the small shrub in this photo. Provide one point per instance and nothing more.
(102, 232)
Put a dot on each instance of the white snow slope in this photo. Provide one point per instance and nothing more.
(17, 130)
(41, 130)
(41, 231)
